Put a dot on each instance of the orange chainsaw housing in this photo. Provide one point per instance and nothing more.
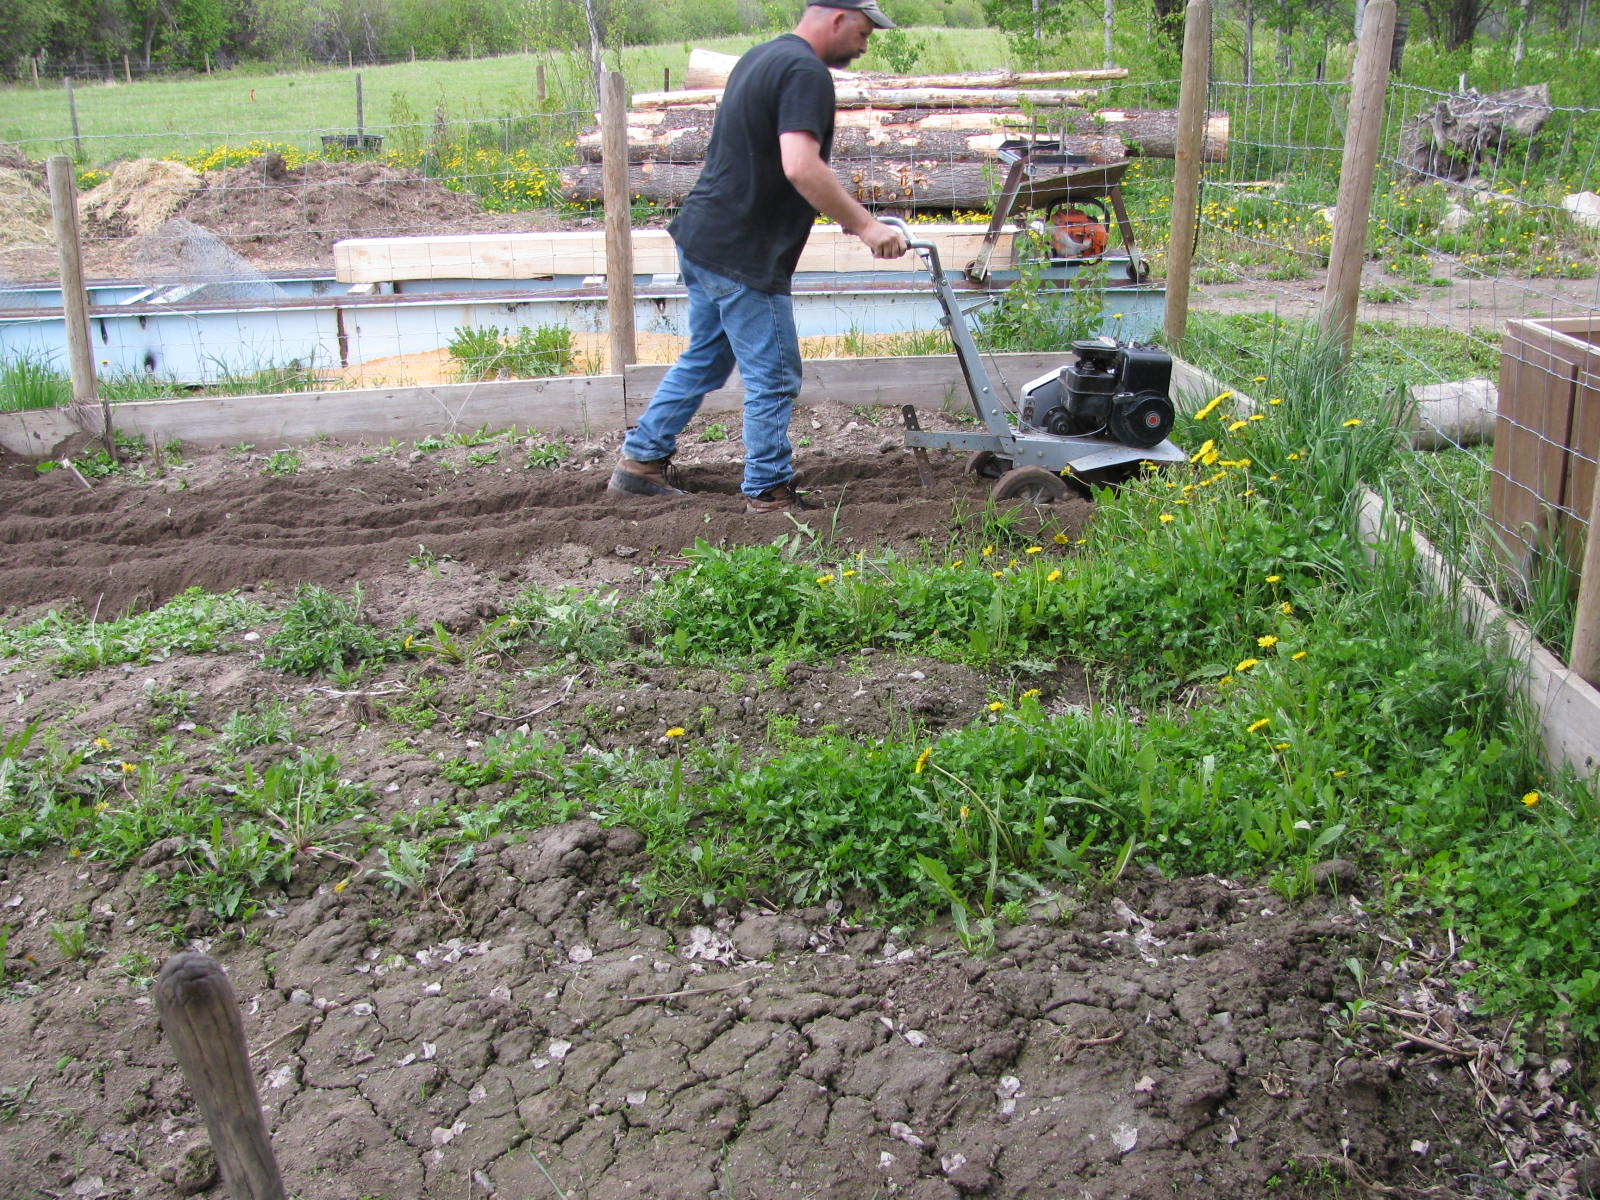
(1075, 235)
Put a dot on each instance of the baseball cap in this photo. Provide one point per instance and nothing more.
(867, 8)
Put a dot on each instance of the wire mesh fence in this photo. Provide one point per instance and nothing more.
(1483, 221)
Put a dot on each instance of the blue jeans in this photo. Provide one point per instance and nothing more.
(729, 323)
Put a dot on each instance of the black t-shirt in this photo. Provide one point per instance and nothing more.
(743, 218)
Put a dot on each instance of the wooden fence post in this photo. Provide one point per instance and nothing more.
(201, 1019)
(619, 219)
(72, 110)
(75, 296)
(1585, 656)
(1186, 169)
(1360, 164)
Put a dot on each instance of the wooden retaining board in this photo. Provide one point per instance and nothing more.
(1547, 436)
(538, 255)
(580, 406)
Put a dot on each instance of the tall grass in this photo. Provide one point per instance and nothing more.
(31, 381)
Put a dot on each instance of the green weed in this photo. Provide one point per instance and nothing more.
(323, 632)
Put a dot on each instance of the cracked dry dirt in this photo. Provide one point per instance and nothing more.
(520, 1030)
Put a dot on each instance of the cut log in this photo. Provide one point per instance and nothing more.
(868, 97)
(942, 145)
(1462, 134)
(682, 134)
(710, 69)
(882, 184)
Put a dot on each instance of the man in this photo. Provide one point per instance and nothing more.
(739, 237)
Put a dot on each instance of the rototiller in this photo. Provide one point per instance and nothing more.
(1092, 422)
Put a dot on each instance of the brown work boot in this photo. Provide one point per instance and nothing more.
(778, 498)
(635, 478)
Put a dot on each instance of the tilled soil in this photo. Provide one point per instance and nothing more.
(521, 1028)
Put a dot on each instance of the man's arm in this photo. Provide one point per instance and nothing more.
(815, 180)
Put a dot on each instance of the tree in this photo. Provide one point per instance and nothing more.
(25, 27)
(1454, 23)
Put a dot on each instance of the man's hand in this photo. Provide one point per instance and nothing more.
(885, 241)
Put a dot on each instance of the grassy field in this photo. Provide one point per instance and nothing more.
(181, 116)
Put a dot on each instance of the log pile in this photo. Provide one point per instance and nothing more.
(905, 142)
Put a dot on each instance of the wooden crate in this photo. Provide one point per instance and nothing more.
(1547, 437)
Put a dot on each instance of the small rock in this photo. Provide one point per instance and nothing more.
(299, 996)
(193, 1171)
(627, 551)
(1337, 876)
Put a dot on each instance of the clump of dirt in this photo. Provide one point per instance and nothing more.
(24, 201)
(138, 197)
(306, 209)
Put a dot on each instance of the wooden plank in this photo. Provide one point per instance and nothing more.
(931, 382)
(577, 405)
(1532, 428)
(540, 255)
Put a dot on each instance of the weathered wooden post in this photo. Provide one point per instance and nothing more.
(1187, 156)
(75, 296)
(619, 219)
(1360, 164)
(361, 118)
(201, 1019)
(72, 111)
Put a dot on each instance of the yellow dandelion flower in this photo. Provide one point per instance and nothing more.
(1061, 539)
(998, 574)
(848, 575)
(966, 812)
(1030, 693)
(1267, 641)
(1530, 799)
(988, 551)
(129, 768)
(1258, 726)
(822, 580)
(340, 886)
(101, 807)
(1298, 655)
(1245, 664)
(1352, 423)
(1167, 518)
(1206, 447)
(102, 743)
(1081, 542)
(1259, 379)
(1280, 745)
(74, 853)
(1286, 608)
(997, 706)
(1237, 425)
(1034, 550)
(1276, 400)
(922, 761)
(1258, 416)
(1225, 681)
(958, 562)
(1053, 576)
(1294, 456)
(677, 731)
(1274, 578)
(1340, 774)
